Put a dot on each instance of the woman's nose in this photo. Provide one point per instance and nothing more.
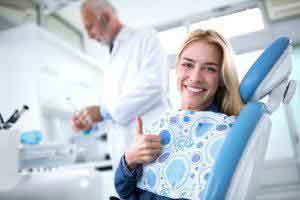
(196, 75)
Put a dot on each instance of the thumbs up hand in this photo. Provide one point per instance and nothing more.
(143, 148)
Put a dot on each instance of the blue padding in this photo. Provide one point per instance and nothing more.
(232, 150)
(261, 68)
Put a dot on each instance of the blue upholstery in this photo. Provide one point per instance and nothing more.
(245, 124)
(232, 150)
(261, 68)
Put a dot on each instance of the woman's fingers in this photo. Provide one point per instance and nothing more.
(148, 144)
(145, 148)
(150, 156)
(152, 136)
(153, 152)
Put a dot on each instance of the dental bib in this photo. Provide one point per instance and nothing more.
(190, 142)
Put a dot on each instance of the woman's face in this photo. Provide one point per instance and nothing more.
(198, 74)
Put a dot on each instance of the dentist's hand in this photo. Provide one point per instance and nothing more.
(143, 149)
(85, 119)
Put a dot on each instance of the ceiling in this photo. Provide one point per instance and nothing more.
(147, 13)
(137, 13)
(17, 4)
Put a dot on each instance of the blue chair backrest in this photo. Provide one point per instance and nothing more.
(254, 86)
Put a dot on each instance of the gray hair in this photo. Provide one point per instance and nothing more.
(97, 5)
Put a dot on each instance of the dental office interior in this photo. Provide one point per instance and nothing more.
(50, 69)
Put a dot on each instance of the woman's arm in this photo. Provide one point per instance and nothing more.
(143, 149)
(126, 179)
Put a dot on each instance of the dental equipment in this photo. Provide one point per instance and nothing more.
(17, 114)
(13, 118)
(1, 121)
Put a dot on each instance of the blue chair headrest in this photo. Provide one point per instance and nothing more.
(262, 67)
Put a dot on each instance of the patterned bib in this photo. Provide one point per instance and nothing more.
(190, 143)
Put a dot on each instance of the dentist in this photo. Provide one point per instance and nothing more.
(135, 80)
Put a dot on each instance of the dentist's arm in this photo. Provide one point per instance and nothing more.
(85, 119)
(147, 90)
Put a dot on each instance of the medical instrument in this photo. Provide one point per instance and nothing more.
(17, 114)
(31, 137)
(72, 104)
(1, 121)
(89, 120)
(13, 118)
(47, 156)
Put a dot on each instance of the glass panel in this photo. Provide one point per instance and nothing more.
(63, 32)
(171, 39)
(245, 61)
(295, 102)
(10, 17)
(174, 94)
(235, 24)
(280, 137)
(57, 110)
(280, 131)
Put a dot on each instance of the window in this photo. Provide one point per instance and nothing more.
(171, 39)
(247, 21)
(244, 62)
(235, 24)
(295, 102)
(173, 93)
(10, 17)
(57, 28)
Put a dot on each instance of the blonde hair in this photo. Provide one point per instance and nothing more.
(227, 96)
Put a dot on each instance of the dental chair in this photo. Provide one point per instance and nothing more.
(238, 167)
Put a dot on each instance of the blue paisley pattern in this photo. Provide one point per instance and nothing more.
(190, 143)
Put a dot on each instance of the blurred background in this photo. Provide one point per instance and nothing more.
(48, 63)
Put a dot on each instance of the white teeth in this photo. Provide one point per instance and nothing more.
(194, 89)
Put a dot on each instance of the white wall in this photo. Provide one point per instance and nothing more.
(38, 70)
(17, 80)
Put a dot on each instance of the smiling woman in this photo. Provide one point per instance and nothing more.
(206, 73)
(198, 74)
(184, 143)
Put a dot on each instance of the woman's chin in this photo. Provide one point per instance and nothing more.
(190, 106)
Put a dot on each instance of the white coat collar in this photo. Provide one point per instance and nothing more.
(123, 35)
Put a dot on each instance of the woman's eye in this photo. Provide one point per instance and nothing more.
(187, 65)
(211, 68)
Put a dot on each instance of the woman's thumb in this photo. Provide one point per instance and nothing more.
(139, 122)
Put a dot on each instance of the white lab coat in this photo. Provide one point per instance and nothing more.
(135, 83)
